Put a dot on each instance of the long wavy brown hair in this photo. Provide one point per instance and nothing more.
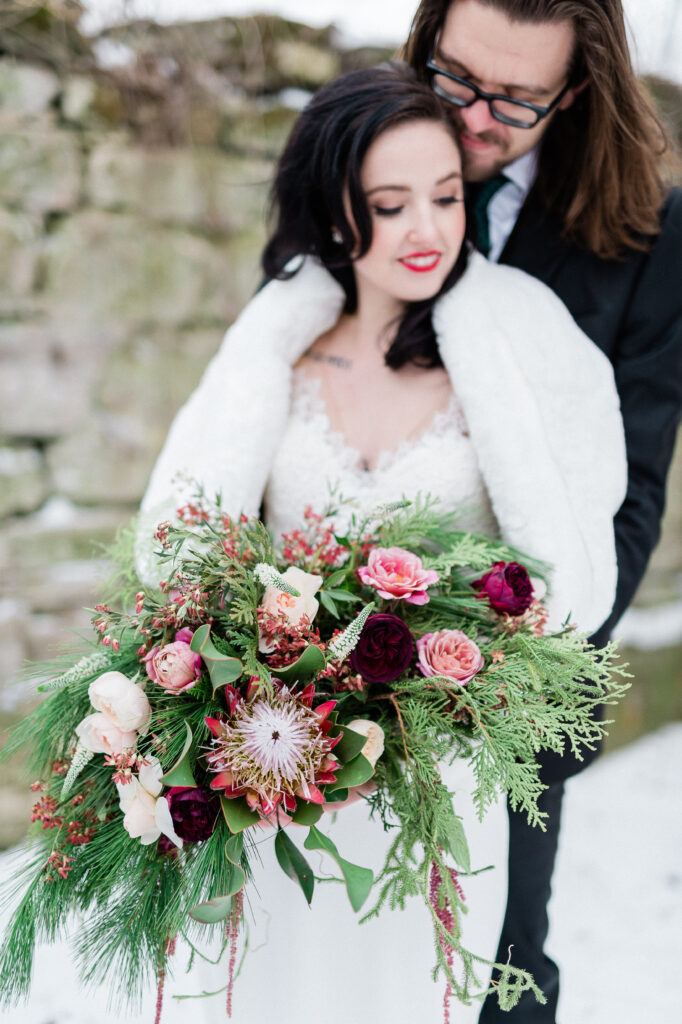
(600, 168)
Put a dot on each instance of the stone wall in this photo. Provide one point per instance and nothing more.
(132, 214)
(131, 219)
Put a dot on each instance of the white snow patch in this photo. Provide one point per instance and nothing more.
(649, 629)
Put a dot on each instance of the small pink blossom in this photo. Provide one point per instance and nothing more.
(174, 666)
(451, 653)
(397, 574)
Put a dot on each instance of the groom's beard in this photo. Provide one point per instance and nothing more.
(477, 166)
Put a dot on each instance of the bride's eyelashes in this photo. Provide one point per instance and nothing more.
(392, 211)
(387, 211)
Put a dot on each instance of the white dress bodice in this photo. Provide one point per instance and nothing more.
(386, 963)
(313, 459)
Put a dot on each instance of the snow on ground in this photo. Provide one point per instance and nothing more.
(616, 910)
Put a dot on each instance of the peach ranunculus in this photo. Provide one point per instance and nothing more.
(122, 700)
(276, 602)
(146, 814)
(174, 666)
(101, 734)
(451, 653)
(397, 574)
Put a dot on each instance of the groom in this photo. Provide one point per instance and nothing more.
(562, 156)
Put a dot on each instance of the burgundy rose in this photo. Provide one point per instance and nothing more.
(194, 812)
(384, 650)
(508, 588)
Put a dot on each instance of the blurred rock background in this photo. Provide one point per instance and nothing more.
(134, 170)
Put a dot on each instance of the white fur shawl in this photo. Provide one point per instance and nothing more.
(538, 396)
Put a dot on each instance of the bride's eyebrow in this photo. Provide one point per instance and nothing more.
(387, 188)
(406, 188)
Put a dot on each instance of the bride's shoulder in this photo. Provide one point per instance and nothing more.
(505, 289)
(496, 298)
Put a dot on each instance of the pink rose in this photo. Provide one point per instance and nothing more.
(100, 734)
(174, 666)
(397, 574)
(451, 653)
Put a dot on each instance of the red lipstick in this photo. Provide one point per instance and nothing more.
(421, 262)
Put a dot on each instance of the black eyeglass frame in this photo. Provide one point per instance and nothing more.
(490, 97)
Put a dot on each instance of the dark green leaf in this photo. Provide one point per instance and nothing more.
(304, 669)
(181, 772)
(329, 604)
(343, 541)
(307, 814)
(358, 880)
(221, 667)
(238, 814)
(354, 773)
(351, 744)
(343, 595)
(335, 578)
(294, 864)
(335, 796)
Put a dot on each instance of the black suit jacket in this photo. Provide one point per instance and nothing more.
(632, 309)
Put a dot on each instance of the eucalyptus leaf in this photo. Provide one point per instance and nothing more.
(354, 773)
(294, 864)
(234, 848)
(181, 773)
(358, 880)
(238, 814)
(304, 669)
(219, 908)
(221, 667)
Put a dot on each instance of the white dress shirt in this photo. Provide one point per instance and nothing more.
(505, 205)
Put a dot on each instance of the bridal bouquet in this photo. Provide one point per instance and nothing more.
(257, 687)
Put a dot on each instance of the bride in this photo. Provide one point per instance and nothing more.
(384, 359)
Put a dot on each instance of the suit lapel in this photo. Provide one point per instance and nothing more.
(535, 244)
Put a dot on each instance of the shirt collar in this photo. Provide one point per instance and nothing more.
(522, 171)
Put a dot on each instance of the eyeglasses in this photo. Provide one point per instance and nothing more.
(462, 93)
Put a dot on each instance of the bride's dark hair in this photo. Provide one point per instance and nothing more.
(322, 158)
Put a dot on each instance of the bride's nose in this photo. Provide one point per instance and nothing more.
(423, 228)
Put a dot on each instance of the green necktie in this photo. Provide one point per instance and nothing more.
(479, 194)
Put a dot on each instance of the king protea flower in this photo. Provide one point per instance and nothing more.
(273, 749)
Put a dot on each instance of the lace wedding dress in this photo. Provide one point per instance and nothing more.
(305, 964)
